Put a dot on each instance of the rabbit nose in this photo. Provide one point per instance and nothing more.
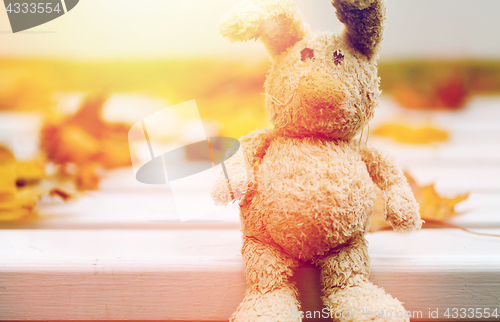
(321, 91)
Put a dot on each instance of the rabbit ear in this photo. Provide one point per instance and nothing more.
(277, 23)
(364, 21)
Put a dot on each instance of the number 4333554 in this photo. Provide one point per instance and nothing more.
(471, 313)
(33, 8)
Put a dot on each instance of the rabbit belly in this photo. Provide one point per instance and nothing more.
(315, 194)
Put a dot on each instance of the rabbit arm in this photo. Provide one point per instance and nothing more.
(364, 21)
(225, 191)
(401, 208)
(239, 167)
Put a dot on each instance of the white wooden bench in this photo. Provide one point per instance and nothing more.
(121, 254)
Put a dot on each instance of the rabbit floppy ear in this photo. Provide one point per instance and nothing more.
(277, 23)
(364, 21)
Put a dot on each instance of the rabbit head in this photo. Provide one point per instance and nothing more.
(320, 83)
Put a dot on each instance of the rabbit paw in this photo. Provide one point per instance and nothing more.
(402, 210)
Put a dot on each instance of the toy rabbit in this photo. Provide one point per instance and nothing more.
(309, 185)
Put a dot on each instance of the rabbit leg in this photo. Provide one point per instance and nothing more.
(270, 295)
(348, 293)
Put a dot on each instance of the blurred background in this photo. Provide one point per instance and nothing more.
(172, 50)
(71, 89)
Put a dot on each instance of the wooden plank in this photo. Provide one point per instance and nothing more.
(198, 274)
(453, 180)
(123, 210)
(469, 176)
(472, 154)
(119, 275)
(146, 208)
(130, 210)
(480, 210)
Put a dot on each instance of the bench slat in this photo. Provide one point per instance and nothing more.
(197, 274)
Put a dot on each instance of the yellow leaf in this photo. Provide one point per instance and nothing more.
(29, 172)
(413, 135)
(433, 206)
(7, 173)
(18, 192)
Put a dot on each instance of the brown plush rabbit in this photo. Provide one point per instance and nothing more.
(309, 185)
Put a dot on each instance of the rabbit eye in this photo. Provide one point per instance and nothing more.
(307, 53)
(337, 57)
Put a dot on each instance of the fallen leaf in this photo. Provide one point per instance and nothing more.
(69, 144)
(60, 193)
(21, 185)
(87, 177)
(410, 97)
(29, 172)
(411, 135)
(449, 94)
(7, 174)
(87, 142)
(433, 206)
(86, 138)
